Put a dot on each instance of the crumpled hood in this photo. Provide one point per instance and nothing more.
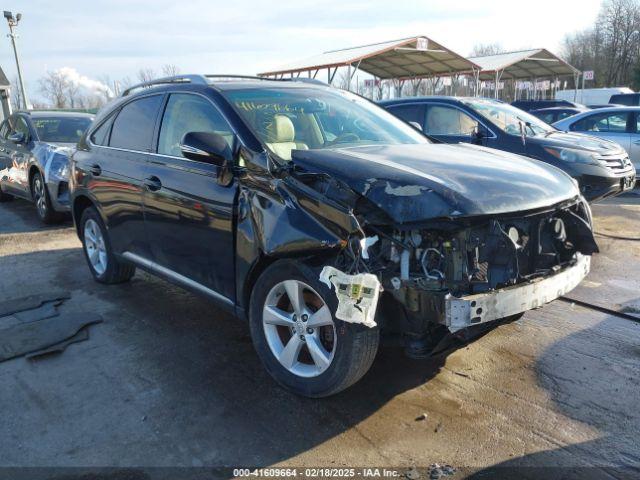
(413, 183)
(577, 140)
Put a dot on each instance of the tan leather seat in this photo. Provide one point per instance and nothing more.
(281, 134)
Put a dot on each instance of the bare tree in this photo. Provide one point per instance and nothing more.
(483, 49)
(16, 95)
(146, 74)
(342, 80)
(170, 70)
(611, 47)
(54, 88)
(72, 92)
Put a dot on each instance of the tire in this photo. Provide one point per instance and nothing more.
(96, 245)
(40, 195)
(351, 348)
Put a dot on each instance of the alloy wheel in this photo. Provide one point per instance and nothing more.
(95, 246)
(40, 196)
(299, 328)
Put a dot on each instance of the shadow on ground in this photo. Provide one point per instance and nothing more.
(19, 216)
(598, 388)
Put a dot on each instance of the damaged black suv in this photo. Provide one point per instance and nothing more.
(320, 218)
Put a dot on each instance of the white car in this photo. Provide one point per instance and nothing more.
(619, 124)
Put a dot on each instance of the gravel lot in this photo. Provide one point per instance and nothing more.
(169, 380)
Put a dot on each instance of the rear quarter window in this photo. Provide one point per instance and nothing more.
(133, 127)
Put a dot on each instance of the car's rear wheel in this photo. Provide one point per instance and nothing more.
(104, 265)
(41, 198)
(297, 337)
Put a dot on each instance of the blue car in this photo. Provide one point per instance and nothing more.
(35, 148)
(601, 167)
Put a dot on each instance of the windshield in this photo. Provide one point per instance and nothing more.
(287, 119)
(61, 129)
(509, 119)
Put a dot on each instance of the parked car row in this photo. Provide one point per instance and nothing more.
(614, 121)
(317, 215)
(601, 167)
(34, 158)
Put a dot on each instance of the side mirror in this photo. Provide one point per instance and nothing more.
(416, 125)
(17, 137)
(206, 147)
(478, 134)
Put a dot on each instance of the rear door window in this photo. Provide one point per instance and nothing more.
(189, 113)
(134, 125)
(614, 122)
(445, 120)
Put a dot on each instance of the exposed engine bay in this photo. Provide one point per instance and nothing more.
(490, 254)
(423, 266)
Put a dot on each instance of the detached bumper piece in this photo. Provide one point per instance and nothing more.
(485, 307)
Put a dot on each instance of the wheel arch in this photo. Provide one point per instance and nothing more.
(80, 204)
(260, 265)
(33, 169)
(263, 262)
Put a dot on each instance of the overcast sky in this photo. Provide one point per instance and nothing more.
(118, 37)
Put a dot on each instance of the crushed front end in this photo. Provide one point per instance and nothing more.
(450, 247)
(465, 272)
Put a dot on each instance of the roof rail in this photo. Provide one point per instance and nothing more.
(236, 77)
(204, 80)
(197, 79)
(315, 81)
(267, 79)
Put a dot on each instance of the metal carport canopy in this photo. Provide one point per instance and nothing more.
(406, 58)
(534, 63)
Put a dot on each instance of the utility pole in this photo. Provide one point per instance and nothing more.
(13, 22)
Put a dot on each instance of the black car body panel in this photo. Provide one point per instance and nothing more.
(612, 174)
(414, 183)
(214, 229)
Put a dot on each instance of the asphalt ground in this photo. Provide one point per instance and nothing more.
(169, 380)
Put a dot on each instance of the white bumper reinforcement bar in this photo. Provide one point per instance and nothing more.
(485, 307)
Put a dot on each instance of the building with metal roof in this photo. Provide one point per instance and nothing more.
(532, 65)
(407, 58)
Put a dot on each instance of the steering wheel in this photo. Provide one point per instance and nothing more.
(346, 138)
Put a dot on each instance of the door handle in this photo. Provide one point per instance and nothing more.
(153, 183)
(636, 142)
(95, 170)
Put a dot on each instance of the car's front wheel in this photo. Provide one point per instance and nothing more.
(104, 265)
(297, 337)
(41, 198)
